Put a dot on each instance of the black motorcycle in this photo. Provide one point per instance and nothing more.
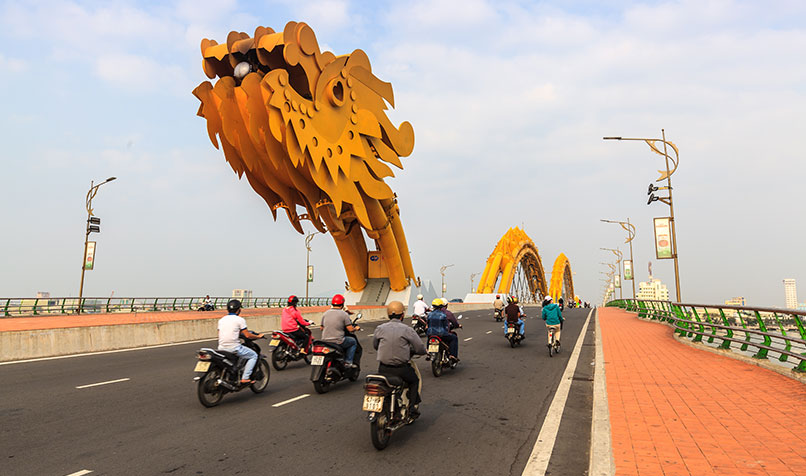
(221, 372)
(328, 366)
(386, 399)
(207, 307)
(438, 354)
(513, 334)
(499, 315)
(419, 324)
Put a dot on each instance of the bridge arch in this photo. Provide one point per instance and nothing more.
(562, 280)
(515, 268)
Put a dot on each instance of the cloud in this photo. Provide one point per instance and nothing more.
(142, 73)
(12, 65)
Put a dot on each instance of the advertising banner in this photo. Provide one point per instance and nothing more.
(627, 269)
(89, 255)
(663, 238)
(310, 273)
(617, 281)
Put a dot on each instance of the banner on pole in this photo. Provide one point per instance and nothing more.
(310, 273)
(663, 238)
(628, 269)
(617, 281)
(89, 255)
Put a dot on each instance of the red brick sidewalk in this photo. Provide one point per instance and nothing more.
(675, 410)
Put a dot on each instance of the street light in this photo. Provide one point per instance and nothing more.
(93, 226)
(308, 267)
(619, 255)
(630, 229)
(667, 200)
(472, 278)
(442, 272)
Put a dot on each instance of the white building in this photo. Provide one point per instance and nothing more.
(654, 289)
(790, 294)
(737, 301)
(242, 293)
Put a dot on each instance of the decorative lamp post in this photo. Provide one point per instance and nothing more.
(630, 229)
(93, 226)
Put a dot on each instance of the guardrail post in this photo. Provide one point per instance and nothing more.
(108, 301)
(762, 353)
(698, 337)
(728, 332)
(787, 343)
(713, 328)
(680, 321)
(36, 302)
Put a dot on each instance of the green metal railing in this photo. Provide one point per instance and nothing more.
(780, 331)
(27, 307)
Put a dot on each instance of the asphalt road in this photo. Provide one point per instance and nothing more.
(481, 418)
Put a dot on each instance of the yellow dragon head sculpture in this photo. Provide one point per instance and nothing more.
(308, 129)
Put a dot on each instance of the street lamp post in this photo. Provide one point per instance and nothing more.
(308, 274)
(93, 223)
(472, 278)
(442, 272)
(619, 257)
(667, 200)
(630, 228)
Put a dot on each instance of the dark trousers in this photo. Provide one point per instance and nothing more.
(453, 344)
(407, 373)
(300, 337)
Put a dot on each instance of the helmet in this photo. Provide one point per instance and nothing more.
(395, 310)
(509, 298)
(498, 296)
(419, 297)
(547, 299)
(515, 300)
(437, 302)
(293, 300)
(338, 300)
(233, 306)
(444, 302)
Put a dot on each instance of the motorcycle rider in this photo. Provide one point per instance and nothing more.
(438, 325)
(420, 308)
(553, 316)
(498, 304)
(396, 343)
(230, 328)
(335, 321)
(452, 321)
(514, 313)
(295, 325)
(207, 304)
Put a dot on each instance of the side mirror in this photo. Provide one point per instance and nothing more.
(359, 316)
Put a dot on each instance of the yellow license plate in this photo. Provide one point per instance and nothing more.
(274, 343)
(433, 347)
(201, 366)
(373, 403)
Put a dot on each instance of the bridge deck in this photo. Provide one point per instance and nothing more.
(675, 410)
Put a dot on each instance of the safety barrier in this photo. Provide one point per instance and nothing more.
(22, 307)
(764, 329)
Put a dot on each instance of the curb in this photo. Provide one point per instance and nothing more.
(602, 462)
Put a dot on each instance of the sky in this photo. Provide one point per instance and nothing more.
(509, 101)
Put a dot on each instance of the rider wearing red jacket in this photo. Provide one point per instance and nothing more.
(294, 324)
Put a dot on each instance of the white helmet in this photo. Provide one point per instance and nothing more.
(419, 297)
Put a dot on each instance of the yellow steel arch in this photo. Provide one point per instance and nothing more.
(514, 267)
(562, 281)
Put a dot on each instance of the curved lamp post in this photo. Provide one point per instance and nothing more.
(93, 226)
(630, 229)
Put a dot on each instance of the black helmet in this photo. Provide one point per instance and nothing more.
(233, 306)
(293, 300)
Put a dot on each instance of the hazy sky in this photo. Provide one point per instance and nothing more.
(509, 101)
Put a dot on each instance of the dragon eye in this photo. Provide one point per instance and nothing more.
(336, 92)
(242, 69)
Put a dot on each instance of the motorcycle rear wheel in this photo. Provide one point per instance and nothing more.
(260, 385)
(512, 342)
(279, 357)
(208, 395)
(321, 385)
(378, 432)
(436, 364)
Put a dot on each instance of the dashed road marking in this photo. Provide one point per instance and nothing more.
(371, 335)
(304, 395)
(469, 338)
(80, 473)
(489, 332)
(102, 383)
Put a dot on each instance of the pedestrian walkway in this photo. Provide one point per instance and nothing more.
(676, 410)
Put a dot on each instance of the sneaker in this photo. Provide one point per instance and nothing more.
(351, 366)
(414, 411)
(247, 382)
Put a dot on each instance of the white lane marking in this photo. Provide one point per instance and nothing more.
(371, 335)
(57, 357)
(541, 453)
(469, 338)
(103, 383)
(291, 400)
(80, 473)
(489, 332)
(601, 457)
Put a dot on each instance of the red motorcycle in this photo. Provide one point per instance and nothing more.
(284, 349)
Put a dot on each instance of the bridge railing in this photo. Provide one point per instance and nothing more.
(27, 307)
(764, 330)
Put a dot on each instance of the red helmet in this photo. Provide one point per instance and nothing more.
(292, 300)
(338, 300)
(497, 296)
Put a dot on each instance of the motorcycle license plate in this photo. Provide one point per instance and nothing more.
(201, 366)
(318, 360)
(433, 348)
(274, 342)
(510, 331)
(373, 403)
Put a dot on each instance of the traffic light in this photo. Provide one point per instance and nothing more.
(652, 198)
(93, 225)
(652, 188)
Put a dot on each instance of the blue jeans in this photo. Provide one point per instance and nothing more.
(250, 354)
(522, 325)
(348, 345)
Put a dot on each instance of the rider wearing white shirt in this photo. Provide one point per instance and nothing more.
(230, 329)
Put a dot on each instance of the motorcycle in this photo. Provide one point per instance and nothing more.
(513, 334)
(207, 307)
(327, 363)
(387, 401)
(419, 324)
(221, 372)
(499, 315)
(284, 349)
(438, 355)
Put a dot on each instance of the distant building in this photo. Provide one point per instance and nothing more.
(653, 289)
(42, 294)
(242, 293)
(790, 294)
(737, 301)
